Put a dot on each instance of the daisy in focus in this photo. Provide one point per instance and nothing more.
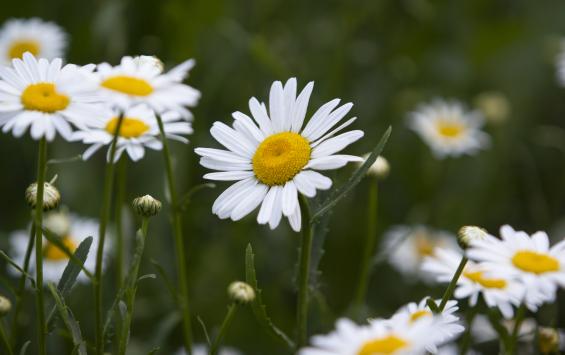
(476, 279)
(141, 80)
(46, 97)
(40, 38)
(274, 155)
(448, 129)
(72, 230)
(408, 246)
(528, 259)
(139, 130)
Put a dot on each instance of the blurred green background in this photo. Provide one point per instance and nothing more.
(385, 57)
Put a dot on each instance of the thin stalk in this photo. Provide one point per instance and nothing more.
(215, 347)
(451, 287)
(304, 274)
(104, 216)
(21, 286)
(120, 197)
(41, 325)
(513, 340)
(5, 340)
(368, 250)
(179, 240)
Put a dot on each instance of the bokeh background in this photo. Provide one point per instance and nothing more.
(385, 57)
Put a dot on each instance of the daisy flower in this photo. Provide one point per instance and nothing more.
(139, 130)
(72, 230)
(408, 246)
(527, 259)
(47, 97)
(274, 156)
(448, 129)
(40, 38)
(476, 279)
(139, 80)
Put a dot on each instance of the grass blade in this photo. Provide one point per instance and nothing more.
(68, 319)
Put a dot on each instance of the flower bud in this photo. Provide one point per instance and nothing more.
(146, 206)
(548, 340)
(241, 292)
(379, 169)
(5, 306)
(468, 234)
(51, 196)
(149, 59)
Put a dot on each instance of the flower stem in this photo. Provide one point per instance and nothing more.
(5, 339)
(304, 274)
(104, 216)
(513, 340)
(368, 250)
(451, 287)
(214, 348)
(179, 240)
(120, 196)
(41, 165)
(466, 337)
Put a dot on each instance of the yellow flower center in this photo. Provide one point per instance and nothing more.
(53, 253)
(280, 157)
(449, 129)
(537, 263)
(43, 97)
(18, 48)
(128, 85)
(387, 345)
(419, 314)
(477, 276)
(424, 246)
(130, 128)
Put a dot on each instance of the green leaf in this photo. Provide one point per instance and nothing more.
(68, 319)
(64, 160)
(14, 264)
(75, 257)
(154, 351)
(170, 286)
(23, 350)
(185, 200)
(259, 309)
(337, 194)
(205, 330)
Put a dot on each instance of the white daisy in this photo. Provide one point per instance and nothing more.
(274, 162)
(407, 246)
(75, 229)
(448, 129)
(483, 331)
(527, 259)
(40, 38)
(45, 96)
(139, 130)
(476, 280)
(200, 349)
(138, 80)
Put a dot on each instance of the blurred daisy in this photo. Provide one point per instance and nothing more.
(448, 129)
(203, 350)
(476, 279)
(46, 96)
(379, 337)
(527, 259)
(73, 230)
(274, 162)
(141, 80)
(40, 38)
(407, 246)
(483, 331)
(139, 130)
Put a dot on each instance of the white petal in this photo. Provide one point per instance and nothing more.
(249, 202)
(336, 144)
(332, 162)
(289, 198)
(229, 175)
(300, 108)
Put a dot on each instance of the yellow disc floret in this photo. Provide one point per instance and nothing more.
(537, 263)
(18, 48)
(128, 85)
(478, 277)
(53, 253)
(386, 345)
(280, 157)
(449, 129)
(130, 128)
(43, 97)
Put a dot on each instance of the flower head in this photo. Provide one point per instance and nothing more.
(274, 155)
(467, 234)
(51, 196)
(146, 206)
(241, 292)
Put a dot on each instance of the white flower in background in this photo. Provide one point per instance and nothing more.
(54, 259)
(139, 130)
(476, 279)
(141, 80)
(276, 161)
(379, 169)
(393, 336)
(199, 349)
(448, 128)
(40, 38)
(482, 330)
(407, 246)
(527, 259)
(561, 65)
(47, 97)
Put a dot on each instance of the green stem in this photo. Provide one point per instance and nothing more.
(215, 347)
(41, 326)
(513, 340)
(104, 216)
(467, 336)
(451, 287)
(5, 339)
(120, 197)
(304, 274)
(179, 240)
(368, 250)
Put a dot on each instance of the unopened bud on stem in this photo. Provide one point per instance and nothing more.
(241, 292)
(51, 196)
(146, 206)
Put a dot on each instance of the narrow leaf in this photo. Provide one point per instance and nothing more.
(154, 351)
(74, 258)
(166, 280)
(14, 264)
(23, 350)
(205, 330)
(185, 200)
(68, 319)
